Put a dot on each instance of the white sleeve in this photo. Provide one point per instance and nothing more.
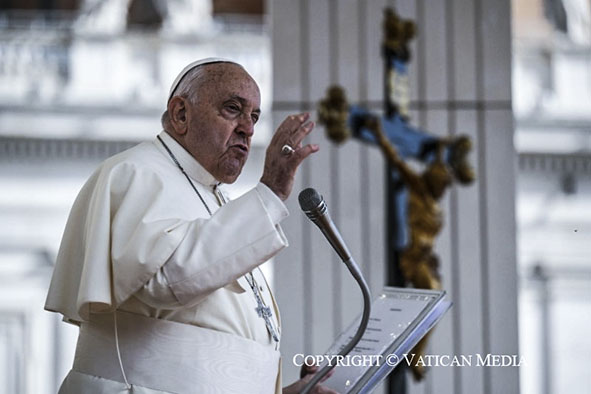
(241, 235)
(275, 207)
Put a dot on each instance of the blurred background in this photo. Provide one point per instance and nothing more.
(81, 80)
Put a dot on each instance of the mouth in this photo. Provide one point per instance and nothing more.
(241, 147)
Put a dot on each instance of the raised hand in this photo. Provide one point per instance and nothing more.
(285, 153)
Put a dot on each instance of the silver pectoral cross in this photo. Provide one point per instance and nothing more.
(262, 310)
(265, 312)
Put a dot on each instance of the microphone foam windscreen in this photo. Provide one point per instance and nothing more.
(309, 199)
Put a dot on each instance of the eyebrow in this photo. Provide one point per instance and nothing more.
(244, 101)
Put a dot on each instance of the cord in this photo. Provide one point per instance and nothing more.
(127, 385)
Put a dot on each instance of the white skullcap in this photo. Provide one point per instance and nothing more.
(191, 66)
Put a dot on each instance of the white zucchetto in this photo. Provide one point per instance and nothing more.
(191, 66)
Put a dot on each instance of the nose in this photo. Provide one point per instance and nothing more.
(246, 125)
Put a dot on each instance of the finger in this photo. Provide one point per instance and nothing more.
(285, 132)
(293, 122)
(319, 389)
(301, 133)
(304, 152)
(328, 375)
(307, 370)
(307, 378)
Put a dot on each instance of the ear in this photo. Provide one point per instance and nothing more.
(179, 117)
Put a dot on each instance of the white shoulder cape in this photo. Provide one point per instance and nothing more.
(125, 225)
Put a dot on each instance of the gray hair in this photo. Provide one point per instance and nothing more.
(187, 88)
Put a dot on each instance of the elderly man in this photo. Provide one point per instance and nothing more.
(160, 270)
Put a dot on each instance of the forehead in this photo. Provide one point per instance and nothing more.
(227, 79)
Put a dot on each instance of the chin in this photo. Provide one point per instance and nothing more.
(229, 181)
(230, 178)
(230, 172)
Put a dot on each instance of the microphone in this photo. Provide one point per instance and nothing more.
(315, 208)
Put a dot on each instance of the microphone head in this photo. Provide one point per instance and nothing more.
(309, 199)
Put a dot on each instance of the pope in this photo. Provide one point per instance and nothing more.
(159, 268)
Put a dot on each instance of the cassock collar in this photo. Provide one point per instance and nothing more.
(188, 162)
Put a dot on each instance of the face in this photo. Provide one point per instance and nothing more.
(220, 123)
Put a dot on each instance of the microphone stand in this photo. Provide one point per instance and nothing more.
(354, 270)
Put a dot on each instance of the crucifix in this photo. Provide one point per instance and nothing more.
(414, 217)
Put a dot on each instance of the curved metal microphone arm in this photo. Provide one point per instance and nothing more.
(315, 208)
(320, 217)
(354, 269)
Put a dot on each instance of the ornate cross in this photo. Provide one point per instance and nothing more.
(413, 211)
(262, 310)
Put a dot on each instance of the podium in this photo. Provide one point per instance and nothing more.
(400, 317)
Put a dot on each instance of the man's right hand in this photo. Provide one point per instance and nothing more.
(306, 374)
(280, 167)
(298, 386)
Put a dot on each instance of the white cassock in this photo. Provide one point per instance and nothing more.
(158, 287)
